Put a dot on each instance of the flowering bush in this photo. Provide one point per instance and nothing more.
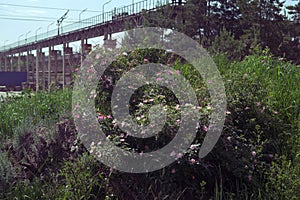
(254, 131)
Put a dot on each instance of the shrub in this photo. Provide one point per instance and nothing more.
(82, 179)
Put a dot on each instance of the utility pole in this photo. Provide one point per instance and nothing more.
(60, 20)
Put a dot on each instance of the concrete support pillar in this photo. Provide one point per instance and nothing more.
(110, 44)
(30, 58)
(54, 65)
(63, 64)
(19, 63)
(49, 68)
(85, 49)
(42, 66)
(82, 52)
(5, 63)
(69, 65)
(27, 65)
(2, 63)
(1, 67)
(15, 61)
(23, 63)
(11, 62)
(37, 77)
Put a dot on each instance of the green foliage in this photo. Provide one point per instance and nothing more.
(6, 172)
(82, 179)
(35, 189)
(283, 179)
(263, 92)
(20, 113)
(250, 23)
(257, 156)
(227, 45)
(295, 12)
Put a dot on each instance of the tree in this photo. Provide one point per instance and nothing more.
(292, 43)
(226, 44)
(195, 12)
(294, 11)
(264, 20)
(227, 14)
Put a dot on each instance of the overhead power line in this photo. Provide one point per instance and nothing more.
(30, 20)
(47, 8)
(35, 17)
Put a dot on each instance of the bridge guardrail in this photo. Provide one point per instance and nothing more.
(85, 23)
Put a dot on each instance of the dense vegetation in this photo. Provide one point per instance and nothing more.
(235, 27)
(257, 156)
(256, 49)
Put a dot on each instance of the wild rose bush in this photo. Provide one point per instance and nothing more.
(252, 138)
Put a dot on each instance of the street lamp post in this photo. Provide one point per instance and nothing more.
(48, 27)
(26, 36)
(19, 39)
(36, 32)
(81, 13)
(103, 8)
(132, 6)
(60, 21)
(4, 45)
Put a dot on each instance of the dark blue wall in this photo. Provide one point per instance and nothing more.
(12, 78)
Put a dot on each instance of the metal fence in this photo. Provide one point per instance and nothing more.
(96, 20)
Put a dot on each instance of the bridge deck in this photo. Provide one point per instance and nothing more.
(58, 67)
(79, 28)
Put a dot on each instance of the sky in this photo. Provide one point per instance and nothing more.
(17, 21)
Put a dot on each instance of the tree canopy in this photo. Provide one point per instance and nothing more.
(248, 22)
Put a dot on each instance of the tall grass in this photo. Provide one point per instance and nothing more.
(270, 82)
(269, 89)
(20, 114)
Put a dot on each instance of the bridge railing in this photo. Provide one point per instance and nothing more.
(96, 20)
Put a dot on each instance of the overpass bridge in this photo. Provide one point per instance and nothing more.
(47, 66)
